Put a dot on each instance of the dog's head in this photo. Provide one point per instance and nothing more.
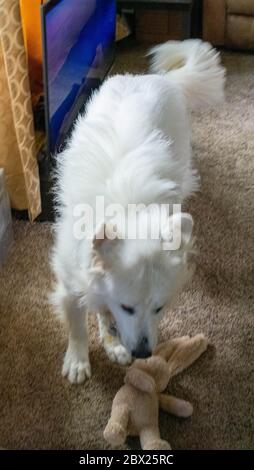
(136, 280)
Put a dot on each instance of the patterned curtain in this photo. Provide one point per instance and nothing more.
(17, 137)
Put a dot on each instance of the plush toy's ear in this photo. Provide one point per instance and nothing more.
(140, 380)
(167, 348)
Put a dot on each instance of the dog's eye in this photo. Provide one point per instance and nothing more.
(159, 309)
(128, 309)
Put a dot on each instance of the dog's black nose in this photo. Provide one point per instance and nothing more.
(142, 350)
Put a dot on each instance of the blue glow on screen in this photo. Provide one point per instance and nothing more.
(80, 36)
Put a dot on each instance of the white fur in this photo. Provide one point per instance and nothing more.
(131, 146)
(193, 65)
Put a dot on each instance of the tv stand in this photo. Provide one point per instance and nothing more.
(46, 169)
(150, 19)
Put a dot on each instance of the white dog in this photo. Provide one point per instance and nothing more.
(131, 146)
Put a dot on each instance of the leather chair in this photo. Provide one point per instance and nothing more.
(229, 23)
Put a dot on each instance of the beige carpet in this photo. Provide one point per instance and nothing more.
(39, 409)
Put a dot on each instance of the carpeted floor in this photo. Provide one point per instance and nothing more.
(39, 409)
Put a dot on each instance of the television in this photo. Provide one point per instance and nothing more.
(78, 38)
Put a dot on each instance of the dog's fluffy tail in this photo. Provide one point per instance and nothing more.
(194, 66)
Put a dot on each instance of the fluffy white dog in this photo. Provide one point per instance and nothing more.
(131, 146)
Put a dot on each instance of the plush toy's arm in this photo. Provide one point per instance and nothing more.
(140, 380)
(175, 406)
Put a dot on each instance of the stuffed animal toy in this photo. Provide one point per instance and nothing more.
(135, 409)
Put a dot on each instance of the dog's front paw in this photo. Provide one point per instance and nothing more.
(118, 353)
(75, 369)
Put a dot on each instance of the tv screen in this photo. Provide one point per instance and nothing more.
(78, 43)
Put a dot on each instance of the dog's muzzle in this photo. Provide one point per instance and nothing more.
(142, 350)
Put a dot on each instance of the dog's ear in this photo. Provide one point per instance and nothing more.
(140, 380)
(105, 240)
(178, 231)
(105, 234)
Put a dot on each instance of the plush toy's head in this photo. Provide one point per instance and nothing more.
(148, 375)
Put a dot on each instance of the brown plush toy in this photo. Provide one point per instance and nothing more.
(135, 409)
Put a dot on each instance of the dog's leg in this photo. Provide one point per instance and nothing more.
(116, 352)
(76, 365)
